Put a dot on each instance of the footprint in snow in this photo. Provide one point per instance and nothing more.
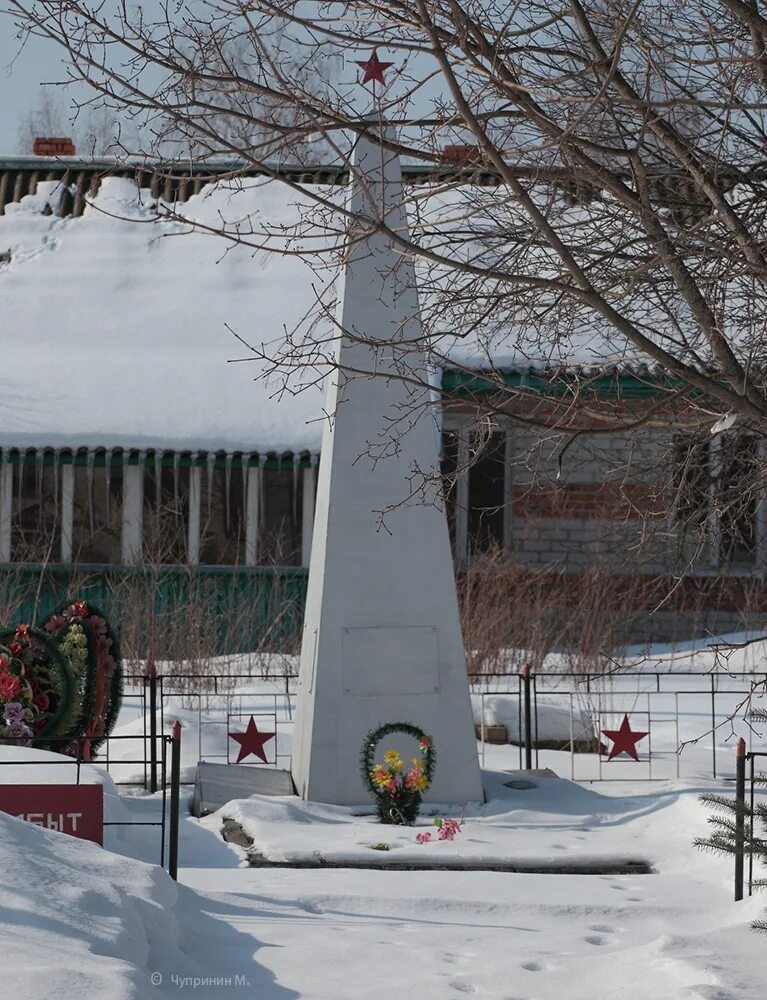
(462, 987)
(309, 906)
(707, 992)
(531, 967)
(594, 939)
(602, 928)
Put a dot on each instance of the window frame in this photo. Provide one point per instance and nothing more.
(462, 426)
(715, 562)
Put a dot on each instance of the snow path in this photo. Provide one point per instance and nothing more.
(340, 934)
(79, 923)
(345, 935)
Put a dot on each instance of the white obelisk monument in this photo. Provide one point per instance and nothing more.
(382, 640)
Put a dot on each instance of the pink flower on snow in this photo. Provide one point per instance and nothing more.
(448, 828)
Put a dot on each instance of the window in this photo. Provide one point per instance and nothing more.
(736, 499)
(97, 513)
(222, 530)
(691, 482)
(487, 493)
(475, 476)
(166, 513)
(449, 470)
(717, 496)
(35, 517)
(280, 536)
(172, 508)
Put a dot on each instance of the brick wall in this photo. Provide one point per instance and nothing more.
(600, 502)
(608, 501)
(604, 504)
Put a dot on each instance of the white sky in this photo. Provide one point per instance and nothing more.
(21, 75)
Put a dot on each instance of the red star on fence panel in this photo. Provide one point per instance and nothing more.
(373, 69)
(252, 742)
(624, 739)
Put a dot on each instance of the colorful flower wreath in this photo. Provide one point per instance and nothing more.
(91, 647)
(36, 688)
(61, 687)
(397, 789)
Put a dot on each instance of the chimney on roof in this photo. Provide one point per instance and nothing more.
(53, 146)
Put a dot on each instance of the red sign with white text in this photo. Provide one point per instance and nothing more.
(74, 809)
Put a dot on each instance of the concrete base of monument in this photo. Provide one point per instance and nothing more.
(217, 784)
(531, 822)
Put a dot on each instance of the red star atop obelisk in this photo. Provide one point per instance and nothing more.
(624, 739)
(252, 741)
(373, 69)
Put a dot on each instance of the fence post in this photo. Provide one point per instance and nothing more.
(713, 726)
(152, 727)
(528, 718)
(175, 791)
(740, 815)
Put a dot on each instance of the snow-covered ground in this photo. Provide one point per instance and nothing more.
(81, 922)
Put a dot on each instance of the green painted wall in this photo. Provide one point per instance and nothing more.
(173, 612)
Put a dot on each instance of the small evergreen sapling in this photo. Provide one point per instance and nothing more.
(722, 839)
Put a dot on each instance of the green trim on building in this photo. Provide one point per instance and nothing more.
(464, 385)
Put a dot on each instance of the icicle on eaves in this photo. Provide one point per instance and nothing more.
(195, 463)
(89, 460)
(21, 465)
(126, 460)
(211, 465)
(56, 467)
(108, 483)
(158, 453)
(296, 466)
(261, 495)
(245, 477)
(176, 468)
(39, 470)
(227, 487)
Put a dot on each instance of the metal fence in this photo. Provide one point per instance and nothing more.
(169, 774)
(660, 698)
(746, 843)
(212, 706)
(653, 695)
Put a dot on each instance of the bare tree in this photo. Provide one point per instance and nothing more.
(47, 117)
(96, 129)
(597, 195)
(224, 117)
(627, 141)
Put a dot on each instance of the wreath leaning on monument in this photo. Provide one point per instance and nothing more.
(397, 789)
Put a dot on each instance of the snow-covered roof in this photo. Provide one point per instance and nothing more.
(119, 329)
(120, 333)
